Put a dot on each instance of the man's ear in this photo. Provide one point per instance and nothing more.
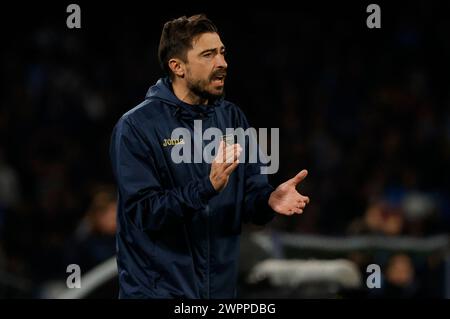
(177, 66)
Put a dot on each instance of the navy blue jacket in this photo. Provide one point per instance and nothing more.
(177, 237)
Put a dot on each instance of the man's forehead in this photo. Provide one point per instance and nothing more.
(206, 41)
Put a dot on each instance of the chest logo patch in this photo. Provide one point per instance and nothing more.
(172, 141)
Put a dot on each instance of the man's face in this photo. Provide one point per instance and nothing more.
(206, 67)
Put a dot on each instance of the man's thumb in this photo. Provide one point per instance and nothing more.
(299, 177)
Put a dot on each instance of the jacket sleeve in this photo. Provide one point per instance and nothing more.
(257, 186)
(145, 202)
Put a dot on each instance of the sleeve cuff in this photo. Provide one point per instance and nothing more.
(263, 210)
(206, 189)
(264, 200)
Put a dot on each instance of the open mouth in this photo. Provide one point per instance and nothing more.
(218, 79)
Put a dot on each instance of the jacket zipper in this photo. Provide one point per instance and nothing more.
(208, 245)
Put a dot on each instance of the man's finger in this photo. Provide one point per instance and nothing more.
(301, 204)
(299, 177)
(220, 149)
(220, 152)
(232, 156)
(295, 210)
(234, 153)
(231, 168)
(225, 153)
(303, 199)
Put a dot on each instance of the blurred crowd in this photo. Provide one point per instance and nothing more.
(366, 112)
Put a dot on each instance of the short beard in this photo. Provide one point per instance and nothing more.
(198, 88)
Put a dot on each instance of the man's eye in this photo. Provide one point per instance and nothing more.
(207, 55)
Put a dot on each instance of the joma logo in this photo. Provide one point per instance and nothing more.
(172, 141)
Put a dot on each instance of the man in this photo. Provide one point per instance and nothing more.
(179, 223)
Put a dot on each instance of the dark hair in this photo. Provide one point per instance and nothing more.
(177, 36)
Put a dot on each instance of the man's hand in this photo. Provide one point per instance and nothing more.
(224, 164)
(286, 200)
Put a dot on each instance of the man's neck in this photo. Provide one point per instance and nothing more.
(183, 93)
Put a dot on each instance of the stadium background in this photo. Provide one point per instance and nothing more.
(365, 111)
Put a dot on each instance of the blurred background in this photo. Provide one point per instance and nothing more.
(366, 111)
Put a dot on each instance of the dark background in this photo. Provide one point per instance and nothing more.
(366, 111)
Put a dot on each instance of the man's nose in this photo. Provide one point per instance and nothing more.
(221, 63)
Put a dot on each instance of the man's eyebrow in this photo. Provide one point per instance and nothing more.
(222, 48)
